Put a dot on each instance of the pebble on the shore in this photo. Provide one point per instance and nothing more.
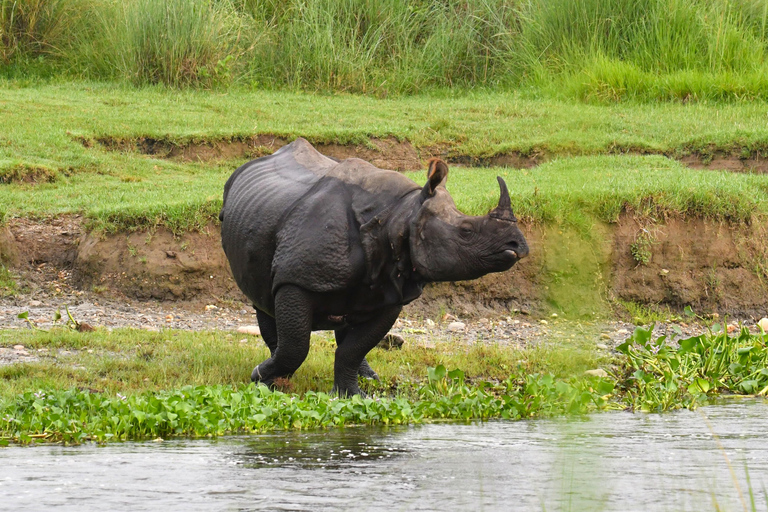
(249, 329)
(598, 372)
(391, 341)
(763, 323)
(456, 326)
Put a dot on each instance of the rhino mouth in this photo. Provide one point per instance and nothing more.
(510, 257)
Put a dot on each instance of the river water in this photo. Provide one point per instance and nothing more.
(708, 459)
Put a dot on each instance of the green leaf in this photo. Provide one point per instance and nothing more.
(437, 373)
(749, 386)
(689, 344)
(688, 311)
(703, 384)
(624, 347)
(642, 336)
(605, 387)
(24, 315)
(456, 374)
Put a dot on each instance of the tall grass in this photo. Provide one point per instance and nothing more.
(34, 27)
(172, 42)
(593, 49)
(613, 49)
(380, 45)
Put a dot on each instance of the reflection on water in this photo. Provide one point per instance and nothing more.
(620, 461)
(332, 450)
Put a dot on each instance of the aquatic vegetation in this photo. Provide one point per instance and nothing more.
(674, 372)
(653, 375)
(76, 415)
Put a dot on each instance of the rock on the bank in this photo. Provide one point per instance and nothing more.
(249, 329)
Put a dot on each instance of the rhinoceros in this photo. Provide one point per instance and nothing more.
(320, 244)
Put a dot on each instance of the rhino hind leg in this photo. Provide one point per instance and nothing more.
(268, 328)
(357, 341)
(293, 325)
(365, 369)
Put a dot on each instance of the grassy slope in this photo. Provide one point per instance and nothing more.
(118, 190)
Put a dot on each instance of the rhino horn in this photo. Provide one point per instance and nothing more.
(504, 209)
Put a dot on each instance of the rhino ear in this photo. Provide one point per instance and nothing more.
(437, 173)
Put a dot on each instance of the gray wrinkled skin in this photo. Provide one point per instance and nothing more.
(317, 244)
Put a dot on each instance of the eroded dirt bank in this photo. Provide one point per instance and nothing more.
(711, 266)
(401, 155)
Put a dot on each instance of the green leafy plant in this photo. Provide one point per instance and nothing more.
(641, 247)
(663, 376)
(77, 415)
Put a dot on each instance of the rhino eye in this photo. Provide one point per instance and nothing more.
(466, 229)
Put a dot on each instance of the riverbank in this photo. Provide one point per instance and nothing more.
(124, 384)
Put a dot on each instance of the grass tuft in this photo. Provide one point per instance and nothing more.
(17, 172)
(7, 282)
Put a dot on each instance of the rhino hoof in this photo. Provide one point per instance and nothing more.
(347, 392)
(257, 378)
(366, 372)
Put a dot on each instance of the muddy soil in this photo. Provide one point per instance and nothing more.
(388, 153)
(709, 266)
(713, 267)
(401, 155)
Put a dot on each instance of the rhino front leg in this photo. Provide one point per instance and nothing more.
(365, 369)
(357, 342)
(293, 322)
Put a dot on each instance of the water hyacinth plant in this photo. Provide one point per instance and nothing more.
(75, 416)
(662, 376)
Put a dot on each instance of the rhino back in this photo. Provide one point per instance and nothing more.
(295, 217)
(256, 197)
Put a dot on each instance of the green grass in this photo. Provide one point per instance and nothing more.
(641, 314)
(133, 361)
(7, 282)
(45, 124)
(603, 50)
(175, 42)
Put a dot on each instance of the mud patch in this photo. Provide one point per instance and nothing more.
(156, 265)
(401, 155)
(386, 153)
(726, 162)
(713, 267)
(51, 241)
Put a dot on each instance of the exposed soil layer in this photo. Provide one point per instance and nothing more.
(386, 153)
(713, 267)
(401, 155)
(709, 266)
